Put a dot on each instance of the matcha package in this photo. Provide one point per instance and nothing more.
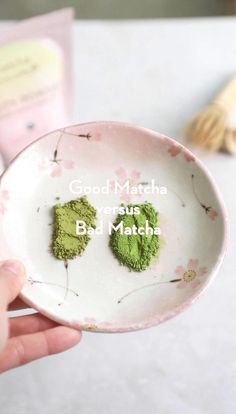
(35, 79)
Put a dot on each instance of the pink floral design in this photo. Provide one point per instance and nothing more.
(175, 149)
(90, 324)
(212, 214)
(96, 136)
(191, 275)
(90, 320)
(123, 176)
(55, 167)
(188, 156)
(4, 197)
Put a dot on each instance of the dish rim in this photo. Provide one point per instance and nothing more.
(154, 321)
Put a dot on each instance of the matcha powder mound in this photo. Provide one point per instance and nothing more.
(136, 250)
(66, 243)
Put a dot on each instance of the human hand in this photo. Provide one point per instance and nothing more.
(26, 338)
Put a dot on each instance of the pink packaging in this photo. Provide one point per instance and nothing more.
(35, 79)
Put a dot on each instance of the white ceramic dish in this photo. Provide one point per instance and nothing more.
(102, 295)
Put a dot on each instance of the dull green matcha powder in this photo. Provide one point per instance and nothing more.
(66, 243)
(136, 251)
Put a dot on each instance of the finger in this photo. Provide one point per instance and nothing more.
(17, 304)
(29, 324)
(11, 281)
(26, 348)
(12, 278)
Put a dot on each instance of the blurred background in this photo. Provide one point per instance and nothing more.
(121, 9)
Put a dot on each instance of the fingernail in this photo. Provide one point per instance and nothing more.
(13, 266)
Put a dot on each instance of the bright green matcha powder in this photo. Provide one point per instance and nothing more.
(66, 243)
(136, 251)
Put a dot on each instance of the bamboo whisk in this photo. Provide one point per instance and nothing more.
(210, 128)
(229, 143)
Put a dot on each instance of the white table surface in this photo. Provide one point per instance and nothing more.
(157, 74)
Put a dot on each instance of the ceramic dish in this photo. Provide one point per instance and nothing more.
(102, 295)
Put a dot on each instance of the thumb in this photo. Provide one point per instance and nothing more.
(12, 278)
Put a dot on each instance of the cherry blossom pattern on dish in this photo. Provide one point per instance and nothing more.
(186, 277)
(4, 197)
(66, 287)
(56, 165)
(95, 136)
(90, 324)
(176, 149)
(210, 212)
(190, 276)
(133, 178)
(42, 282)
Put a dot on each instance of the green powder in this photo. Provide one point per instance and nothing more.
(66, 243)
(136, 251)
